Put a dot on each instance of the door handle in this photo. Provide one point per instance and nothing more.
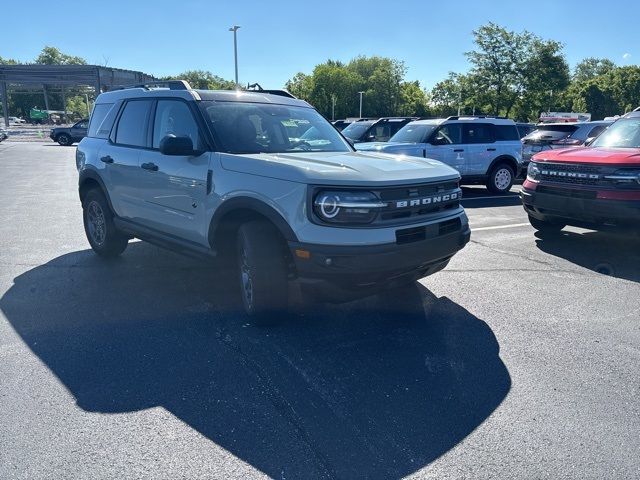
(106, 159)
(491, 149)
(150, 166)
(458, 150)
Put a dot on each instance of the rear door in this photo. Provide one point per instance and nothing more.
(445, 145)
(480, 141)
(121, 154)
(174, 187)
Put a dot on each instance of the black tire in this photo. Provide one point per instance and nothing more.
(546, 227)
(262, 272)
(102, 234)
(500, 178)
(64, 139)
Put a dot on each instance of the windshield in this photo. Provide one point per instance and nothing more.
(265, 128)
(413, 133)
(622, 134)
(356, 130)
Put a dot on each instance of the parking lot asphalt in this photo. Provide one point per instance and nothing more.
(520, 360)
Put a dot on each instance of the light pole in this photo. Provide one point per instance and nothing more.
(360, 93)
(234, 29)
(333, 107)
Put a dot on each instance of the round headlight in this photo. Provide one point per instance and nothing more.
(347, 207)
(328, 205)
(533, 172)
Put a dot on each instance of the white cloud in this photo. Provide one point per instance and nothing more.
(626, 55)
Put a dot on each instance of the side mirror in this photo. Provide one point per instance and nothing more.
(438, 141)
(589, 141)
(178, 146)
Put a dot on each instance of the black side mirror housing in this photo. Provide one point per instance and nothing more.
(589, 141)
(178, 146)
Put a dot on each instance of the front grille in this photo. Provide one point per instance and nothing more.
(421, 201)
(571, 174)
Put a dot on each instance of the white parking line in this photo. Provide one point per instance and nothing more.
(498, 227)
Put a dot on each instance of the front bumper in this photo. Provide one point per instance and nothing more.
(580, 207)
(338, 271)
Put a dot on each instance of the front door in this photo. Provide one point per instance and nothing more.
(174, 187)
(445, 145)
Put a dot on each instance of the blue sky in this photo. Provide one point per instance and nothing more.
(280, 38)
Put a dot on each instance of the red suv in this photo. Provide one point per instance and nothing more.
(595, 187)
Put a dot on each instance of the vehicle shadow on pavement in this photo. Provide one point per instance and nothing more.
(377, 388)
(607, 253)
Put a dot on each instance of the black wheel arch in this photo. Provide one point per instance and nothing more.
(90, 179)
(508, 159)
(233, 212)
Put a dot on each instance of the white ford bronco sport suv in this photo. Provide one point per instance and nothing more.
(229, 174)
(485, 150)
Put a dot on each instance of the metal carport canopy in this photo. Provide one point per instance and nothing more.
(101, 78)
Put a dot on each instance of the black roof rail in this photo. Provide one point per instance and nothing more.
(255, 87)
(170, 84)
(457, 117)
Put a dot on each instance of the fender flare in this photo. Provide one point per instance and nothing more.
(254, 205)
(92, 175)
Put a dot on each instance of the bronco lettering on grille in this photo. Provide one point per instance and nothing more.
(554, 173)
(417, 202)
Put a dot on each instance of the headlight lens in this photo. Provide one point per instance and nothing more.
(533, 172)
(347, 207)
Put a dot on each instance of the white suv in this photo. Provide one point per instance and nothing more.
(483, 149)
(235, 175)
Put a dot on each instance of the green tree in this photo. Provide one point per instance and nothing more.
(8, 61)
(202, 79)
(414, 101)
(53, 56)
(592, 67)
(78, 105)
(545, 78)
(301, 86)
(499, 62)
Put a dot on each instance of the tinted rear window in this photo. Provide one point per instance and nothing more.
(101, 120)
(506, 132)
(132, 126)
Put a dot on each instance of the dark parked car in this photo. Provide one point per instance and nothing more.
(3, 134)
(70, 135)
(341, 124)
(548, 136)
(375, 130)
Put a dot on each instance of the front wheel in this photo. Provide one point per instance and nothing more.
(500, 178)
(262, 271)
(544, 226)
(64, 139)
(101, 232)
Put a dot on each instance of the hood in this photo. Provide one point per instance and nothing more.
(340, 168)
(413, 149)
(604, 156)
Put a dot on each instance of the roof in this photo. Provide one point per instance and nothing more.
(190, 94)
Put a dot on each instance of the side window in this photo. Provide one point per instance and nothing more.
(506, 132)
(132, 127)
(450, 134)
(98, 117)
(381, 133)
(82, 124)
(478, 133)
(597, 130)
(174, 117)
